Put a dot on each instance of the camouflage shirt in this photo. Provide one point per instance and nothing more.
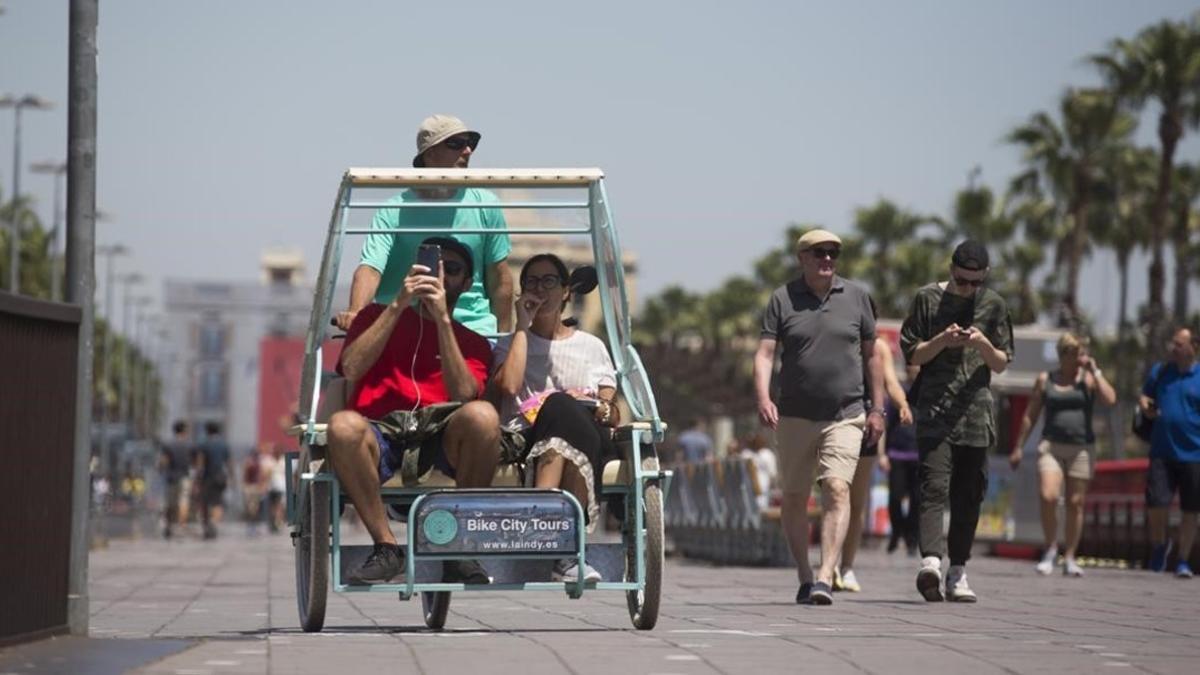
(953, 403)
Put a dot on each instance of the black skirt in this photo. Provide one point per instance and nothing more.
(567, 427)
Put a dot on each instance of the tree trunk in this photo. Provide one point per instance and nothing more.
(1075, 252)
(1169, 132)
(1183, 264)
(1123, 302)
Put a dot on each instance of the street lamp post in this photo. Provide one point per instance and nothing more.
(59, 171)
(18, 103)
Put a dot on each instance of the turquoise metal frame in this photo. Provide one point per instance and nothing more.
(632, 378)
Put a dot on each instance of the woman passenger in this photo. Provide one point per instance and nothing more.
(558, 383)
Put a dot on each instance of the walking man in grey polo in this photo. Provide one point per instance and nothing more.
(827, 331)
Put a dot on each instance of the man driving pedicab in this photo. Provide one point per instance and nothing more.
(443, 142)
(418, 375)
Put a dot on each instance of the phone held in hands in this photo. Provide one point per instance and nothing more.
(429, 255)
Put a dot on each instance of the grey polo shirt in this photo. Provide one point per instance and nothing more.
(822, 375)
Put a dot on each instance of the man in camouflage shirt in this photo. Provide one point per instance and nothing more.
(959, 333)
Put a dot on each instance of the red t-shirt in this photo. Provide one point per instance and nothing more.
(394, 382)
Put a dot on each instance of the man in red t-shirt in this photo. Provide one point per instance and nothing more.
(402, 357)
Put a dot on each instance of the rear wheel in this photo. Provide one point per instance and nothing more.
(312, 555)
(643, 604)
(436, 605)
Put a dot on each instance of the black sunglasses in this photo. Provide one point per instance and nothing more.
(820, 252)
(458, 142)
(452, 268)
(973, 283)
(548, 282)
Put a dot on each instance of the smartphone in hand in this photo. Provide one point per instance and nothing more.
(429, 255)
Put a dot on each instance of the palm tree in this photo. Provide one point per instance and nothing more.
(1064, 161)
(730, 312)
(1184, 194)
(1036, 218)
(1122, 219)
(888, 253)
(1162, 63)
(682, 311)
(34, 245)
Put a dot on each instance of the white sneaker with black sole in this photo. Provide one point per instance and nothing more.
(929, 579)
(1045, 566)
(567, 569)
(957, 589)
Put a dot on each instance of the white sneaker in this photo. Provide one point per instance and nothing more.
(957, 589)
(566, 569)
(1071, 568)
(850, 582)
(929, 579)
(1045, 566)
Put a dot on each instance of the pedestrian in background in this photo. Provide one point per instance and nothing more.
(827, 332)
(864, 474)
(214, 471)
(1067, 449)
(174, 463)
(696, 444)
(902, 463)
(1171, 397)
(959, 333)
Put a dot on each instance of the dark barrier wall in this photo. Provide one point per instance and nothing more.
(37, 436)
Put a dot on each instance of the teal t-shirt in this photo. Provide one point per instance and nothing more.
(392, 255)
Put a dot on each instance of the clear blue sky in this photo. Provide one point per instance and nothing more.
(224, 127)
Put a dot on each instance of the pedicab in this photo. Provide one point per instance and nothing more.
(516, 533)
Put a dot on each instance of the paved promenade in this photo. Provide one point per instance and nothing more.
(188, 607)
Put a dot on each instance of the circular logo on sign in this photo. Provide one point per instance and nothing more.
(440, 527)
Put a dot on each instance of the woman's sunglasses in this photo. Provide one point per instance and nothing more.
(452, 268)
(548, 282)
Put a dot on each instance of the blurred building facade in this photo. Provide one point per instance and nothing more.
(214, 335)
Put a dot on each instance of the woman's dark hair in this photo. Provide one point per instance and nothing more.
(575, 282)
(559, 266)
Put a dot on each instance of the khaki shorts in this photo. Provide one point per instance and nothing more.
(179, 493)
(804, 445)
(1073, 461)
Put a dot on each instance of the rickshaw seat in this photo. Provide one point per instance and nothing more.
(507, 476)
(617, 472)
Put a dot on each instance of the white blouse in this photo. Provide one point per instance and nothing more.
(580, 361)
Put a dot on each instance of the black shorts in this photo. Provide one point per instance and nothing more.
(213, 493)
(1166, 476)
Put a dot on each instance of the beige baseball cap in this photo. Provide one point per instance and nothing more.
(813, 237)
(437, 128)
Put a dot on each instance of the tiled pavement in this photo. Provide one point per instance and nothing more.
(188, 607)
